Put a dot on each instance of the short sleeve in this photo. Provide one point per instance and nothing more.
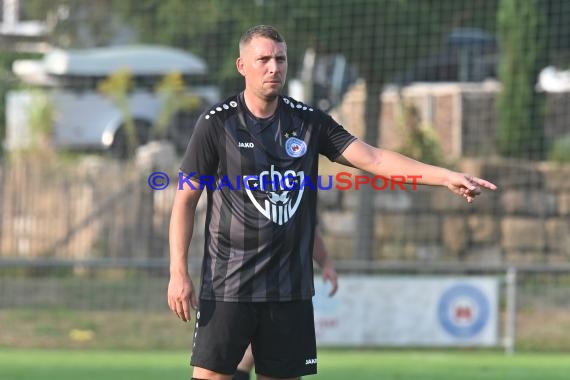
(201, 157)
(334, 139)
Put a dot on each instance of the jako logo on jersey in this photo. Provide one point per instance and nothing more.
(281, 191)
(245, 144)
(295, 147)
(310, 361)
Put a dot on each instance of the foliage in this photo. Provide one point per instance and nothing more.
(7, 82)
(77, 23)
(117, 87)
(202, 28)
(41, 117)
(420, 140)
(382, 37)
(560, 150)
(172, 89)
(520, 130)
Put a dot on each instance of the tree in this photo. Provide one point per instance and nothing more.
(520, 108)
(78, 23)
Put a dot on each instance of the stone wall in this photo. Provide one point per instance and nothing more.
(101, 209)
(95, 208)
(526, 221)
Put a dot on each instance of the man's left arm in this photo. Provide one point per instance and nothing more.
(321, 256)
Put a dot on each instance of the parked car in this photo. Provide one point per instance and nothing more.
(86, 119)
(467, 55)
(323, 79)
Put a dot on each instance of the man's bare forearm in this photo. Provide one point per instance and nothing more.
(320, 254)
(400, 168)
(393, 165)
(181, 295)
(181, 230)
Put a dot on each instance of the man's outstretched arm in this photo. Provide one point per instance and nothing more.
(391, 164)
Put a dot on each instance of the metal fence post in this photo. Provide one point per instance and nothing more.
(511, 309)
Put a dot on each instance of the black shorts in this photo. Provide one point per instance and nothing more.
(282, 336)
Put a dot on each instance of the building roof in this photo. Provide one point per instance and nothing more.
(102, 61)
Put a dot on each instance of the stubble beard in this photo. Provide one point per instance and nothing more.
(270, 96)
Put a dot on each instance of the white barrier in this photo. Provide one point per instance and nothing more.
(407, 311)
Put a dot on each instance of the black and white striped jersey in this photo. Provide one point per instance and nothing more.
(261, 179)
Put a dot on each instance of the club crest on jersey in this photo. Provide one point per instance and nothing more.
(295, 147)
(275, 195)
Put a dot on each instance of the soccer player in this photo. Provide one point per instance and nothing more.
(256, 154)
(321, 256)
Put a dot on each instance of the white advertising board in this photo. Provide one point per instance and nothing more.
(407, 311)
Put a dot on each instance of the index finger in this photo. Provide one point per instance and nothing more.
(186, 311)
(484, 183)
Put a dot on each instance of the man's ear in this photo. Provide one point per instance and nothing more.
(239, 65)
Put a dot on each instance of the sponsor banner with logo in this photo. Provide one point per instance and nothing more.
(407, 311)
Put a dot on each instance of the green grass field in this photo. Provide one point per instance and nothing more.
(23, 364)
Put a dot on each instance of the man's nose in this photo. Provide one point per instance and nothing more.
(273, 66)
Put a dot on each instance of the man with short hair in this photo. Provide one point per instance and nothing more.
(261, 149)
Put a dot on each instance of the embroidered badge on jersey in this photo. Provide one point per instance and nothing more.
(295, 147)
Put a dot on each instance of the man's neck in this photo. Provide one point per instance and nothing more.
(259, 107)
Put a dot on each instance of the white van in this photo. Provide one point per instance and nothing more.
(84, 119)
